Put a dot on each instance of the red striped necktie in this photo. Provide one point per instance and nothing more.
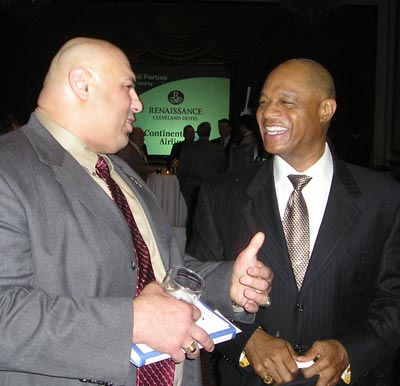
(159, 373)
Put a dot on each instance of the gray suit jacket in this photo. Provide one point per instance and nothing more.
(351, 291)
(67, 272)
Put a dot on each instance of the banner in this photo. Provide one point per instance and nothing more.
(176, 96)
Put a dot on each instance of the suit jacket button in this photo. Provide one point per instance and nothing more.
(300, 307)
(133, 265)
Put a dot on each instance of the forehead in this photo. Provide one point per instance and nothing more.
(290, 78)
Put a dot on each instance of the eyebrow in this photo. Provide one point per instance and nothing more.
(287, 94)
(131, 79)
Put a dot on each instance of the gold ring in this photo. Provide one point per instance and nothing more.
(191, 349)
(268, 380)
(267, 303)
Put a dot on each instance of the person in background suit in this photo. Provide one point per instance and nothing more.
(8, 122)
(345, 314)
(135, 153)
(225, 139)
(199, 160)
(176, 150)
(69, 307)
(247, 151)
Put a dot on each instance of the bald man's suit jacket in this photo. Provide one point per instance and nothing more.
(351, 291)
(67, 268)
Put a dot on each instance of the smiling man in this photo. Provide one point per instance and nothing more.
(332, 240)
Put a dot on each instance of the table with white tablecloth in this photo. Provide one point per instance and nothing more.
(166, 189)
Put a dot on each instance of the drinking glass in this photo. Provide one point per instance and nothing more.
(183, 284)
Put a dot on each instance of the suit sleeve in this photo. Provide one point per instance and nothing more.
(206, 245)
(379, 333)
(55, 333)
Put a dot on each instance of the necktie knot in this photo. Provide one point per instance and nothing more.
(299, 181)
(102, 169)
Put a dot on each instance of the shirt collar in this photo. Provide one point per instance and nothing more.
(321, 170)
(72, 144)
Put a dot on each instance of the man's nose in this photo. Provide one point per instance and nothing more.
(136, 103)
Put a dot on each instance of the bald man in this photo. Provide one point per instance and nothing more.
(70, 302)
(335, 309)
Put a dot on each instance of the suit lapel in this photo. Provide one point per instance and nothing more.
(340, 214)
(75, 179)
(149, 204)
(81, 185)
(262, 214)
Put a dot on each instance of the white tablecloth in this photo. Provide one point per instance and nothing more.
(166, 189)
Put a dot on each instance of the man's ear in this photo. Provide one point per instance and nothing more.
(326, 109)
(79, 78)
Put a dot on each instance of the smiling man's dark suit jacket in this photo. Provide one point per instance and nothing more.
(67, 268)
(351, 290)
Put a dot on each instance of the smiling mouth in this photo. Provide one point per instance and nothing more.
(275, 130)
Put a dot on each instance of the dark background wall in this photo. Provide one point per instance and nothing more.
(250, 36)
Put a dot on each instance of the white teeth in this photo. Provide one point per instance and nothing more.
(275, 130)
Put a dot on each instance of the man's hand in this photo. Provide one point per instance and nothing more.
(273, 356)
(251, 279)
(331, 359)
(155, 316)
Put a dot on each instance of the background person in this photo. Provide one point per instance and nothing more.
(176, 150)
(8, 122)
(199, 160)
(225, 139)
(135, 153)
(247, 151)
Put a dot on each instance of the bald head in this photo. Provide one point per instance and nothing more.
(90, 91)
(316, 77)
(88, 53)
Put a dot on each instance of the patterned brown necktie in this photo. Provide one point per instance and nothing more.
(296, 227)
(159, 373)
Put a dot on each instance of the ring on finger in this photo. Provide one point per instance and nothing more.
(190, 349)
(268, 380)
(266, 304)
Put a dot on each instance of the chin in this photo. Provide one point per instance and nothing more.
(123, 144)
